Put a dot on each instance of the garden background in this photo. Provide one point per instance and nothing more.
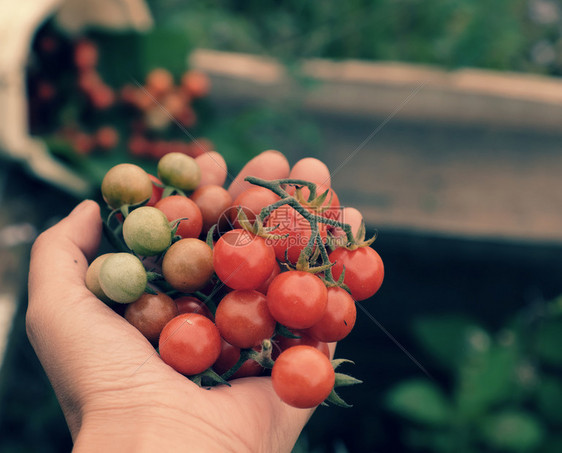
(440, 120)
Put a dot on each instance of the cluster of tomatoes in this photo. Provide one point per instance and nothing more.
(71, 103)
(158, 106)
(228, 288)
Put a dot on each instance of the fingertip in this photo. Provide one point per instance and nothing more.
(86, 207)
(270, 164)
(213, 168)
(311, 169)
(83, 227)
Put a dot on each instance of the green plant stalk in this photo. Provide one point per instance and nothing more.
(292, 201)
(313, 219)
(325, 260)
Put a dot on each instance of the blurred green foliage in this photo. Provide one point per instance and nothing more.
(518, 35)
(503, 391)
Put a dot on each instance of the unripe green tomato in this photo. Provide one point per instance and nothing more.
(125, 184)
(180, 171)
(92, 277)
(146, 231)
(123, 277)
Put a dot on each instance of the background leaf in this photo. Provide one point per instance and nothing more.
(487, 376)
(443, 337)
(512, 430)
(549, 342)
(420, 401)
(549, 399)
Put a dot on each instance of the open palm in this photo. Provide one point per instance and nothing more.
(114, 389)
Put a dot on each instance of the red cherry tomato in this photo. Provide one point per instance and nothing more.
(302, 377)
(242, 260)
(190, 304)
(243, 318)
(297, 299)
(196, 83)
(364, 270)
(85, 55)
(159, 81)
(107, 137)
(178, 207)
(295, 229)
(252, 201)
(338, 318)
(190, 343)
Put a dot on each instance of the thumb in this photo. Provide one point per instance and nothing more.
(59, 256)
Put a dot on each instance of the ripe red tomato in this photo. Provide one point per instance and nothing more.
(282, 343)
(252, 201)
(243, 318)
(151, 313)
(338, 318)
(297, 299)
(302, 377)
(190, 343)
(196, 83)
(85, 55)
(190, 304)
(289, 222)
(212, 202)
(229, 356)
(242, 260)
(107, 137)
(179, 207)
(159, 81)
(188, 265)
(364, 270)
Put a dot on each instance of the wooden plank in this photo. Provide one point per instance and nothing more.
(471, 153)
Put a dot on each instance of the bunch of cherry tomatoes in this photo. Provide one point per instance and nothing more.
(72, 105)
(234, 283)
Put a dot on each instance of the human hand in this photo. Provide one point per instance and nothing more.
(114, 390)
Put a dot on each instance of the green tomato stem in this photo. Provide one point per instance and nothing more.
(313, 219)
